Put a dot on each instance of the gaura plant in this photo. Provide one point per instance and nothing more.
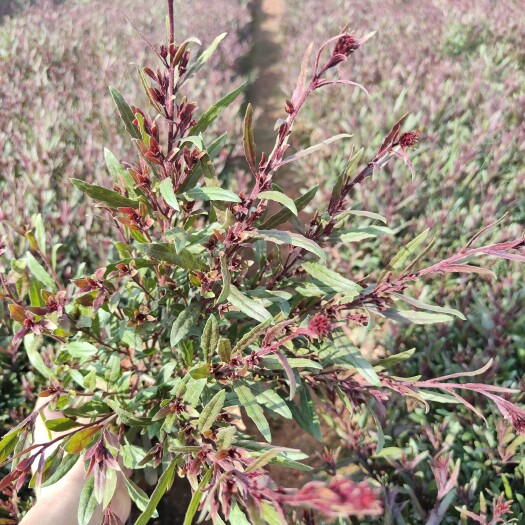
(216, 307)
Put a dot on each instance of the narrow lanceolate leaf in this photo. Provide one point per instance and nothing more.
(110, 198)
(183, 324)
(395, 359)
(81, 349)
(212, 194)
(431, 307)
(139, 497)
(331, 279)
(408, 251)
(167, 253)
(196, 498)
(88, 503)
(294, 239)
(468, 268)
(210, 337)
(248, 306)
(40, 272)
(60, 424)
(211, 179)
(248, 338)
(224, 349)
(285, 214)
(81, 439)
(164, 483)
(125, 112)
(168, 194)
(212, 113)
(360, 234)
(263, 459)
(253, 409)
(118, 172)
(313, 149)
(368, 214)
(411, 317)
(270, 400)
(306, 415)
(211, 411)
(279, 197)
(347, 353)
(344, 176)
(301, 79)
(203, 58)
(248, 140)
(226, 281)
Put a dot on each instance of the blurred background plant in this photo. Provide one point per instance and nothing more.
(457, 67)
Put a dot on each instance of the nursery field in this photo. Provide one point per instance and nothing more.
(214, 303)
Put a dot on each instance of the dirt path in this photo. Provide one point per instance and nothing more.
(264, 92)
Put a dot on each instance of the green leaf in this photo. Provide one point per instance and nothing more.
(67, 463)
(194, 389)
(331, 279)
(294, 239)
(395, 359)
(167, 253)
(237, 516)
(360, 234)
(178, 237)
(164, 483)
(168, 194)
(81, 349)
(348, 354)
(343, 176)
(270, 514)
(31, 345)
(212, 113)
(248, 306)
(250, 337)
(285, 214)
(254, 411)
(203, 58)
(411, 317)
(80, 439)
(270, 400)
(224, 349)
(88, 503)
(305, 414)
(313, 149)
(211, 411)
(369, 214)
(272, 362)
(210, 337)
(225, 437)
(226, 281)
(139, 497)
(279, 197)
(8, 444)
(39, 272)
(60, 424)
(196, 498)
(431, 307)
(263, 459)
(212, 194)
(118, 172)
(184, 323)
(248, 141)
(110, 198)
(410, 250)
(126, 114)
